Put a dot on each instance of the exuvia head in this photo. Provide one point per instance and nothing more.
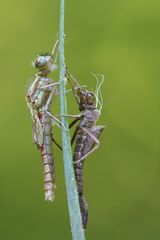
(91, 100)
(87, 100)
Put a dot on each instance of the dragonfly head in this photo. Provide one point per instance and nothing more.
(44, 63)
(87, 100)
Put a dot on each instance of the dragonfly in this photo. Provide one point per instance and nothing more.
(87, 133)
(39, 98)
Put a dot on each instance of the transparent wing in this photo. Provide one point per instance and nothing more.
(37, 128)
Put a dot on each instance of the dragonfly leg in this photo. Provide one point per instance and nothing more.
(69, 77)
(73, 122)
(74, 136)
(94, 147)
(69, 90)
(48, 101)
(68, 74)
(55, 120)
(90, 134)
(50, 86)
(75, 132)
(57, 144)
(78, 116)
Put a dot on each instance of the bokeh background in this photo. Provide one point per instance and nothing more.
(122, 178)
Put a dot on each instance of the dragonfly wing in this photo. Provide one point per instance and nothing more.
(37, 128)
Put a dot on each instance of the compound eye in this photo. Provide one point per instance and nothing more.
(40, 62)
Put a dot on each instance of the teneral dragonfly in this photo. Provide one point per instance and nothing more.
(39, 97)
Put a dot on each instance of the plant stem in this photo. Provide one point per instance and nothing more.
(72, 195)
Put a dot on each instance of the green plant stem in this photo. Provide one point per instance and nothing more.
(72, 195)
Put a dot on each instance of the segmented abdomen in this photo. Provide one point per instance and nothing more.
(78, 169)
(84, 144)
(47, 157)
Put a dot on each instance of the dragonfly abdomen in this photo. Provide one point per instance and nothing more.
(48, 161)
(78, 169)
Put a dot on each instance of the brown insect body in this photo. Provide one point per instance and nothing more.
(87, 133)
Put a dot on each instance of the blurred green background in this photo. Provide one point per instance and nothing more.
(122, 178)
